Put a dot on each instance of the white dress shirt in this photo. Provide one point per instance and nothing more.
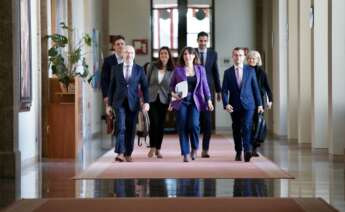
(160, 76)
(119, 58)
(125, 66)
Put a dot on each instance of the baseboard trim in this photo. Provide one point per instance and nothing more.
(305, 145)
(320, 150)
(336, 158)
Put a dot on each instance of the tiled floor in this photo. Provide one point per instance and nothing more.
(316, 176)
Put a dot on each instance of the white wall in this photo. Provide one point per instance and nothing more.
(28, 121)
(234, 27)
(131, 18)
(87, 16)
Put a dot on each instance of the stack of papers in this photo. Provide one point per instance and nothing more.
(181, 89)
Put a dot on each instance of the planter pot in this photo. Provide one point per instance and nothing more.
(67, 89)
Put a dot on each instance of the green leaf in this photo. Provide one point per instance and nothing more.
(59, 40)
(64, 61)
(75, 56)
(52, 52)
(87, 39)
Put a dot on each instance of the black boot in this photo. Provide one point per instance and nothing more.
(255, 153)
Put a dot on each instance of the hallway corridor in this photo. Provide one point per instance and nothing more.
(316, 176)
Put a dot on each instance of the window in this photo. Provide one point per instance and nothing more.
(165, 26)
(167, 19)
(199, 18)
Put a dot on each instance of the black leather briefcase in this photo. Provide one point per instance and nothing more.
(260, 128)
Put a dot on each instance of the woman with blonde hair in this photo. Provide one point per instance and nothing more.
(254, 60)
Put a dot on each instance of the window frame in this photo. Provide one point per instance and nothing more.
(182, 25)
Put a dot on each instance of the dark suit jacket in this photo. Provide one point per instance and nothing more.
(263, 85)
(212, 71)
(106, 73)
(119, 89)
(247, 96)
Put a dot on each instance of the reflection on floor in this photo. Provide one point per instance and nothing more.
(316, 176)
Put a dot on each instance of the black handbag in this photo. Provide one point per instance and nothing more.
(260, 128)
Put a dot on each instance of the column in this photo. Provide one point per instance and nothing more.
(9, 104)
(280, 67)
(319, 131)
(337, 76)
(304, 67)
(292, 118)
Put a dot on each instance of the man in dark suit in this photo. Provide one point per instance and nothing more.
(116, 58)
(124, 98)
(117, 45)
(208, 58)
(241, 96)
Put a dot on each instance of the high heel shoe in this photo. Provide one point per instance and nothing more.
(158, 154)
(151, 152)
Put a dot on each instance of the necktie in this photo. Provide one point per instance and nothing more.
(202, 58)
(127, 73)
(238, 77)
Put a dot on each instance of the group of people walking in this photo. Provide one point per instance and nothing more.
(189, 89)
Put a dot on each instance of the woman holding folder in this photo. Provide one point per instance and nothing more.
(190, 95)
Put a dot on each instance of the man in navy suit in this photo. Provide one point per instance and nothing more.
(124, 98)
(208, 58)
(117, 45)
(241, 96)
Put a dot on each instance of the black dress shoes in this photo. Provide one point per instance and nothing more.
(193, 154)
(204, 154)
(185, 158)
(255, 153)
(247, 156)
(238, 156)
(120, 159)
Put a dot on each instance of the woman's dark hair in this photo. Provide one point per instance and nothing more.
(170, 64)
(190, 51)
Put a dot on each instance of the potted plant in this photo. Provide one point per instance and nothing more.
(66, 58)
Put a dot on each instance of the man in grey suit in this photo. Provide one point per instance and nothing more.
(208, 58)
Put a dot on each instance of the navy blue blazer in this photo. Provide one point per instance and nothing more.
(248, 95)
(212, 71)
(119, 89)
(109, 62)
